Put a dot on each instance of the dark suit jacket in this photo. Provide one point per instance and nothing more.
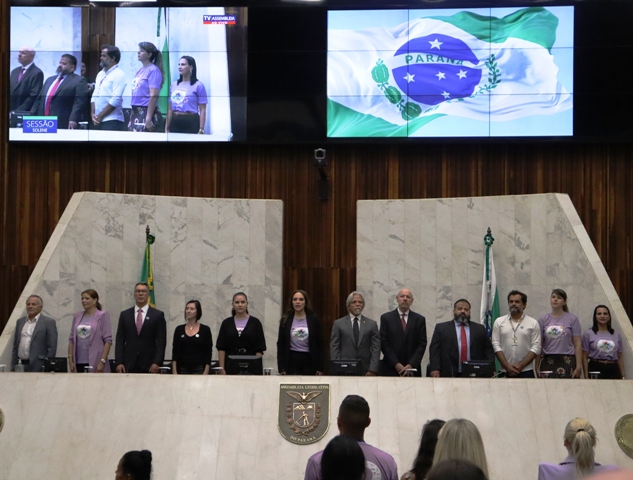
(24, 92)
(342, 346)
(43, 343)
(405, 347)
(69, 101)
(139, 351)
(444, 353)
(315, 343)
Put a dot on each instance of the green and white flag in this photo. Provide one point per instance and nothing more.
(490, 310)
(392, 81)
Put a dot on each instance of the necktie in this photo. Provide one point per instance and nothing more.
(139, 321)
(404, 324)
(21, 74)
(49, 98)
(463, 353)
(356, 331)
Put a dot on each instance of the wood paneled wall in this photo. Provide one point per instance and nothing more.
(37, 181)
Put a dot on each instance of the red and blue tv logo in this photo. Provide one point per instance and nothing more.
(219, 19)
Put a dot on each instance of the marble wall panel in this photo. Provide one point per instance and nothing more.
(206, 249)
(540, 244)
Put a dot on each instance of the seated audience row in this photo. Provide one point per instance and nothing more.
(551, 347)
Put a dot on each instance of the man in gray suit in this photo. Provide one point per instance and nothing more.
(35, 338)
(356, 337)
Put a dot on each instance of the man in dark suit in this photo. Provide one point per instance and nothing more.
(25, 82)
(356, 337)
(141, 336)
(402, 338)
(35, 338)
(64, 95)
(456, 341)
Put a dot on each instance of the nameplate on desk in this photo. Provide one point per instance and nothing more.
(39, 125)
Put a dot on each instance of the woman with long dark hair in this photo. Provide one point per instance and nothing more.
(602, 347)
(424, 459)
(146, 87)
(187, 110)
(300, 339)
(135, 465)
(90, 337)
(240, 334)
(193, 343)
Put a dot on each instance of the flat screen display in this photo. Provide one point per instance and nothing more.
(474, 72)
(166, 74)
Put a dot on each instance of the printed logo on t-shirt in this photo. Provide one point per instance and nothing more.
(300, 333)
(554, 331)
(239, 331)
(606, 346)
(375, 471)
(178, 97)
(83, 331)
(135, 84)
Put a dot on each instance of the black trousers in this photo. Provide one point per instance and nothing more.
(607, 370)
(300, 363)
(184, 123)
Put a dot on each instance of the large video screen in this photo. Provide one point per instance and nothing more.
(137, 74)
(477, 72)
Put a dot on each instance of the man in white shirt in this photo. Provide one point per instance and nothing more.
(516, 339)
(106, 109)
(35, 338)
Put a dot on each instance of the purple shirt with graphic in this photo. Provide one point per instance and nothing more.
(240, 325)
(83, 338)
(379, 465)
(146, 78)
(185, 97)
(299, 334)
(602, 345)
(557, 333)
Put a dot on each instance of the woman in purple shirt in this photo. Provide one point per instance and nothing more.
(300, 339)
(580, 441)
(240, 334)
(187, 111)
(602, 347)
(560, 340)
(90, 336)
(145, 90)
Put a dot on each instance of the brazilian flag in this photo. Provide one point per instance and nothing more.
(147, 272)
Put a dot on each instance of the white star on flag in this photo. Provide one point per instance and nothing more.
(461, 74)
(441, 76)
(409, 77)
(436, 44)
(446, 94)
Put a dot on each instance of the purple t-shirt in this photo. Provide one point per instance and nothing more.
(186, 97)
(566, 470)
(83, 338)
(602, 345)
(557, 333)
(146, 78)
(240, 325)
(379, 465)
(299, 334)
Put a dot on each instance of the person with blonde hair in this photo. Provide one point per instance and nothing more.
(580, 441)
(460, 439)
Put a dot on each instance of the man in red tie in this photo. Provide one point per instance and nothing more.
(64, 95)
(402, 339)
(25, 82)
(456, 341)
(141, 336)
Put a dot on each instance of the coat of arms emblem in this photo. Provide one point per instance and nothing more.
(304, 412)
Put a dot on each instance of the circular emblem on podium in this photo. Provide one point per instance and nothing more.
(624, 433)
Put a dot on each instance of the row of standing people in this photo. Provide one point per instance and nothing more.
(66, 95)
(552, 343)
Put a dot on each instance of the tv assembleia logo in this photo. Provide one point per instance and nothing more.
(219, 19)
(39, 125)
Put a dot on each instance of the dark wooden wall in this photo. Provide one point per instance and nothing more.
(37, 181)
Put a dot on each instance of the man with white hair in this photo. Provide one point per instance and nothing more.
(25, 82)
(356, 337)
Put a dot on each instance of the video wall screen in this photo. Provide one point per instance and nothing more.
(476, 72)
(166, 74)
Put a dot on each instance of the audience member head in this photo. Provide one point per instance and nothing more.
(190, 306)
(580, 440)
(424, 460)
(92, 294)
(135, 465)
(343, 459)
(460, 438)
(605, 314)
(353, 416)
(456, 468)
(559, 292)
